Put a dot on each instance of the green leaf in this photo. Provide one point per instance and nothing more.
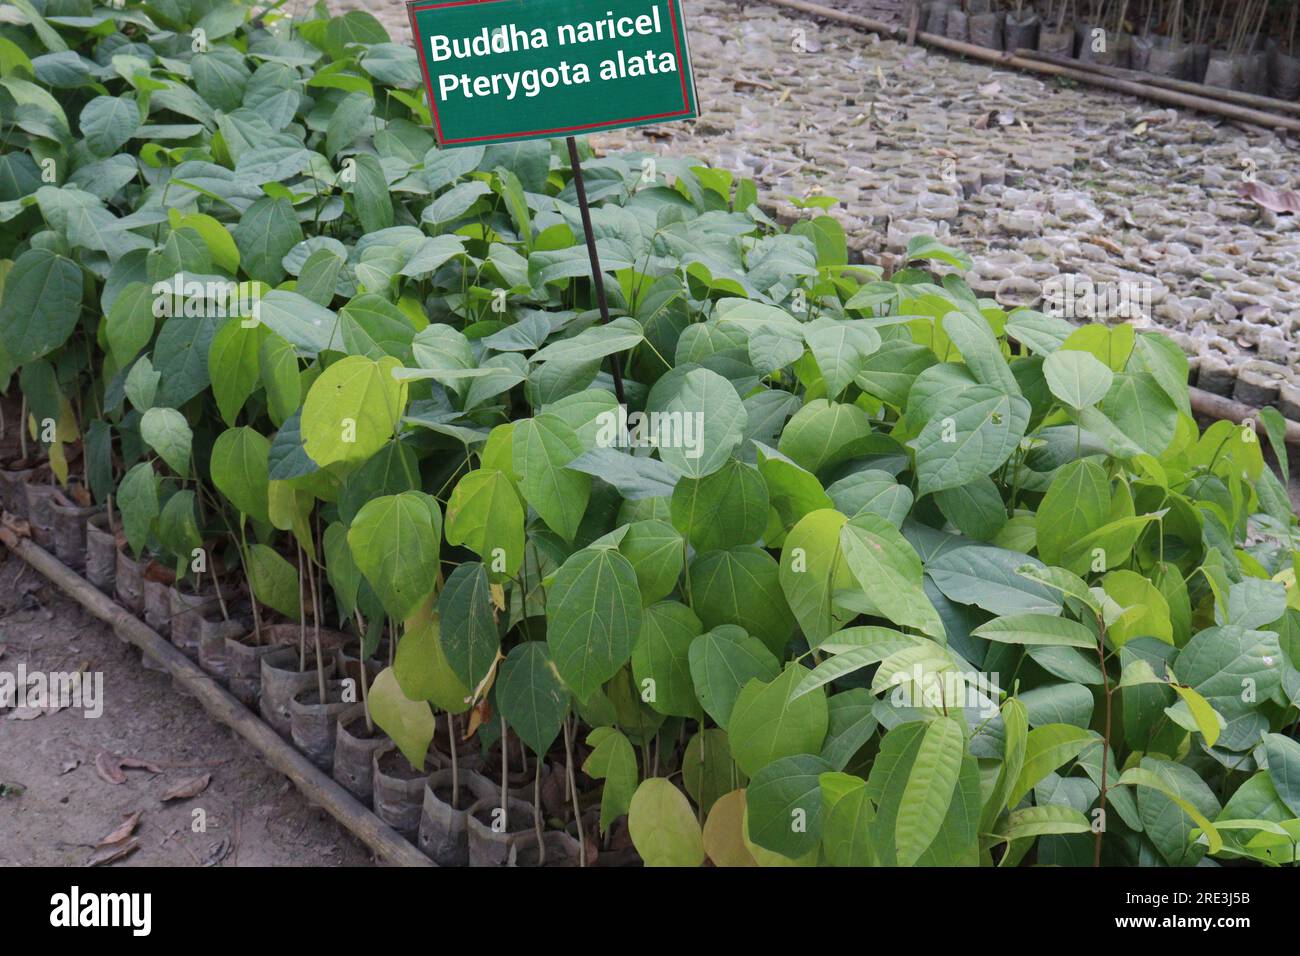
(1181, 787)
(484, 514)
(661, 659)
(422, 668)
(1283, 757)
(394, 541)
(137, 499)
(976, 508)
(765, 724)
(726, 508)
(812, 570)
(785, 805)
(1043, 821)
(1047, 748)
(741, 586)
(531, 696)
(1142, 411)
(542, 448)
(410, 723)
(131, 322)
(1146, 610)
(911, 755)
(352, 410)
(706, 420)
(166, 432)
(266, 233)
(1077, 378)
(840, 349)
(847, 816)
(823, 434)
(663, 826)
(108, 122)
(469, 630)
(613, 760)
(593, 616)
(1037, 629)
(656, 552)
(240, 470)
(1076, 504)
(275, 581)
(708, 772)
(931, 782)
(991, 578)
(41, 305)
(1015, 720)
(722, 662)
(888, 571)
(969, 436)
(233, 365)
(980, 350)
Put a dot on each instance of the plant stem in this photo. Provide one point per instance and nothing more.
(537, 813)
(302, 618)
(315, 628)
(1105, 740)
(505, 772)
(364, 677)
(573, 790)
(455, 769)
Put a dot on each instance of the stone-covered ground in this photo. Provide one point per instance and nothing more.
(1037, 179)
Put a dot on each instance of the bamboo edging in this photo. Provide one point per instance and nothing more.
(1157, 94)
(221, 705)
(1239, 97)
(1230, 410)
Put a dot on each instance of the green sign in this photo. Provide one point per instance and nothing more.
(501, 70)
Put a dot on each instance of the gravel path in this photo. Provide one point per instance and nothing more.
(1044, 183)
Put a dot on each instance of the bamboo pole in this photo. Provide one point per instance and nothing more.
(1204, 104)
(1167, 82)
(1217, 406)
(315, 785)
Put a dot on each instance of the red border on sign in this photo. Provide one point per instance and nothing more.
(437, 121)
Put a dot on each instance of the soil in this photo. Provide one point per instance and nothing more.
(55, 805)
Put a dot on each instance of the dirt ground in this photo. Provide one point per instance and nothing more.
(56, 804)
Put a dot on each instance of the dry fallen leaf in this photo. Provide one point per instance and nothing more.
(109, 768)
(188, 788)
(69, 765)
(159, 573)
(1275, 200)
(1105, 244)
(123, 830)
(113, 852)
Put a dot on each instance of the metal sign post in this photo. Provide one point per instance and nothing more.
(597, 277)
(502, 71)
